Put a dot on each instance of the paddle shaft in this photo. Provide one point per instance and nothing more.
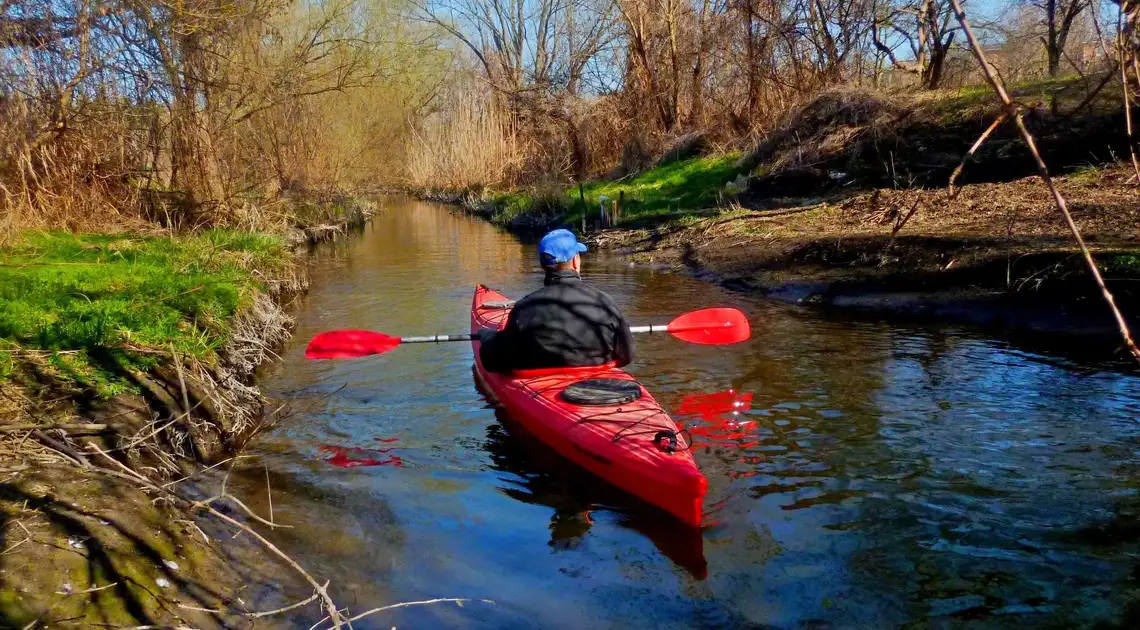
(660, 328)
(438, 338)
(655, 328)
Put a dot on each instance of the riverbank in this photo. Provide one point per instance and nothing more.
(996, 254)
(845, 204)
(127, 365)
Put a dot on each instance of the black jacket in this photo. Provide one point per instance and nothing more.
(567, 323)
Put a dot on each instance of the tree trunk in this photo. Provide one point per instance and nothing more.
(1054, 55)
(697, 109)
(750, 61)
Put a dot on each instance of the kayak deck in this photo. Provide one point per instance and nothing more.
(627, 445)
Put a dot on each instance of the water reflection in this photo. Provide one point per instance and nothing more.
(883, 475)
(539, 476)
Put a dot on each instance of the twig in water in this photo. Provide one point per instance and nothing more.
(457, 601)
(92, 590)
(14, 545)
(192, 475)
(269, 493)
(278, 611)
(216, 611)
(251, 514)
(1043, 171)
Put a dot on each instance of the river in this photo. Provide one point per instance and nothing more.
(883, 475)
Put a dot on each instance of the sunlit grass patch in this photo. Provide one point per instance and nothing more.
(90, 308)
(673, 190)
(668, 190)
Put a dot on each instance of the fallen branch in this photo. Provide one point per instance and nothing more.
(68, 428)
(1010, 109)
(61, 448)
(330, 606)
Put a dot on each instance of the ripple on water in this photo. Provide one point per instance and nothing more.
(880, 476)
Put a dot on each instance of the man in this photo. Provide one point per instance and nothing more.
(565, 324)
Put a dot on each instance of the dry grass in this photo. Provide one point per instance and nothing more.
(1103, 203)
(1016, 217)
(470, 144)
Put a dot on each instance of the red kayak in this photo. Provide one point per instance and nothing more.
(635, 445)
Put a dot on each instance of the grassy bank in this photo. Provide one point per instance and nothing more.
(93, 308)
(126, 364)
(672, 190)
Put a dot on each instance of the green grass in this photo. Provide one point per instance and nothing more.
(668, 191)
(673, 190)
(86, 304)
(968, 102)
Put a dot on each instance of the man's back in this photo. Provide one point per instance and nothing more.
(567, 323)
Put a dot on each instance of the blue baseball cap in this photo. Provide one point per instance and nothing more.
(559, 246)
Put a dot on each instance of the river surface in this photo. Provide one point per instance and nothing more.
(883, 475)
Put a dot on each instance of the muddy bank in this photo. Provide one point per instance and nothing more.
(104, 500)
(997, 255)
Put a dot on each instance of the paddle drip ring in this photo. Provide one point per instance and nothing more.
(602, 391)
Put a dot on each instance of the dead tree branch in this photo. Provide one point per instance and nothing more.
(1011, 109)
(330, 606)
(981, 139)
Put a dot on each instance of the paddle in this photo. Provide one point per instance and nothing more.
(710, 326)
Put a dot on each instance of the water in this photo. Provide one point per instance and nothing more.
(884, 476)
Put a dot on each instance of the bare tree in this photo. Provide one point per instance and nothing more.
(927, 28)
(1056, 20)
(535, 54)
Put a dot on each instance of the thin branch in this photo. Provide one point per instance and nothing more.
(1122, 44)
(278, 611)
(1043, 171)
(329, 604)
(1092, 95)
(69, 428)
(458, 602)
(269, 493)
(965, 158)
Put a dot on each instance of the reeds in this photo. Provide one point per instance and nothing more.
(470, 143)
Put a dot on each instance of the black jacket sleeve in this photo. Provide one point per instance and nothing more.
(623, 338)
(623, 344)
(497, 351)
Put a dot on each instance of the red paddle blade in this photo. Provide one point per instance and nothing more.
(711, 326)
(348, 344)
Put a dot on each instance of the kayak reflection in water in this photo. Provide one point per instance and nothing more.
(567, 323)
(539, 476)
(353, 457)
